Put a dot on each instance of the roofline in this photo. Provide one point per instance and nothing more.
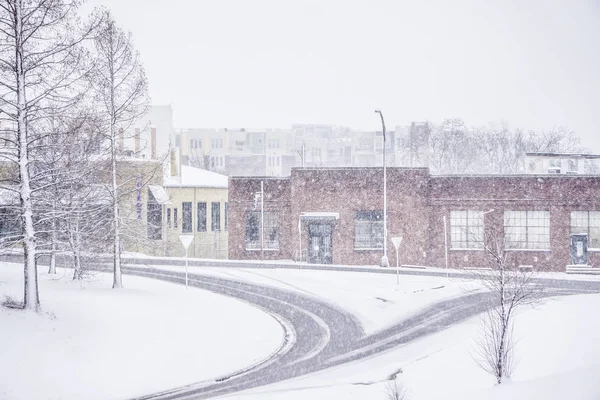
(272, 178)
(580, 155)
(558, 176)
(357, 168)
(194, 186)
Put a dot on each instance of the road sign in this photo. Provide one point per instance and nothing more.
(186, 240)
(396, 242)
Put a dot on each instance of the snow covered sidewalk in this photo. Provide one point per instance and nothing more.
(98, 343)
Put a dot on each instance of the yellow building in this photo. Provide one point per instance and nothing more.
(197, 205)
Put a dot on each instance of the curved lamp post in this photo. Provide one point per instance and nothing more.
(384, 259)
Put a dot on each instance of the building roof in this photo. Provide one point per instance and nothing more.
(569, 155)
(196, 177)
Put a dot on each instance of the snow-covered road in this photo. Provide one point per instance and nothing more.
(326, 336)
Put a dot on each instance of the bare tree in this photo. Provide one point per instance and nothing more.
(122, 93)
(42, 63)
(394, 390)
(510, 287)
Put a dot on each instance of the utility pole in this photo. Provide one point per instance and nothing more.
(262, 220)
(384, 259)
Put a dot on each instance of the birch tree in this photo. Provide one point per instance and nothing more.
(40, 67)
(122, 93)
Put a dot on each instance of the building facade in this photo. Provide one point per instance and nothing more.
(197, 205)
(335, 215)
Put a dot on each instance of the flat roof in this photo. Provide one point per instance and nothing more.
(571, 155)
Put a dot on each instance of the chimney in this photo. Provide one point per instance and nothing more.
(153, 142)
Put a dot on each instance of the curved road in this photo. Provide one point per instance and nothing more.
(318, 335)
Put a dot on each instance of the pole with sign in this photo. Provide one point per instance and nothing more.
(396, 241)
(186, 240)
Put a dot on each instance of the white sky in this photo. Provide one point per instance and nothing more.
(270, 63)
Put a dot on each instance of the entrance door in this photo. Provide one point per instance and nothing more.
(579, 248)
(319, 244)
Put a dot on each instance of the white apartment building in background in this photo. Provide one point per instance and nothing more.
(273, 152)
(562, 163)
(151, 135)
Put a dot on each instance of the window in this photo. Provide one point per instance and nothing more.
(168, 217)
(154, 219)
(186, 215)
(527, 229)
(466, 229)
(572, 165)
(587, 222)
(271, 231)
(215, 216)
(201, 217)
(175, 221)
(216, 143)
(226, 212)
(368, 230)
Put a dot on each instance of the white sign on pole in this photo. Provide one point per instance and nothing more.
(186, 240)
(396, 242)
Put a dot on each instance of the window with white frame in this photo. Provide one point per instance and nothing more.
(587, 222)
(272, 230)
(466, 229)
(527, 229)
(216, 143)
(368, 230)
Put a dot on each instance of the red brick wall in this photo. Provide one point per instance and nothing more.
(417, 203)
(241, 200)
(557, 194)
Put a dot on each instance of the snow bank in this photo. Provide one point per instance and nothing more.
(98, 343)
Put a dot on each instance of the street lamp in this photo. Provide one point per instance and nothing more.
(384, 259)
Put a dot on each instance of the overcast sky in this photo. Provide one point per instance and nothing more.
(271, 63)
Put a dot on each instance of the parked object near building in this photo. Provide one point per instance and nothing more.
(334, 215)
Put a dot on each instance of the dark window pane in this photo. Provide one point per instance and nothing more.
(202, 217)
(215, 223)
(154, 220)
(186, 214)
(226, 214)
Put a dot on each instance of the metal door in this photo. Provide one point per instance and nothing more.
(319, 244)
(579, 248)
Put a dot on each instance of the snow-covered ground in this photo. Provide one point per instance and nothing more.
(558, 351)
(98, 343)
(376, 300)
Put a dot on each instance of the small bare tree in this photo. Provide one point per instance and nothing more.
(394, 390)
(509, 287)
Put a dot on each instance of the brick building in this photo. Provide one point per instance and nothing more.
(335, 215)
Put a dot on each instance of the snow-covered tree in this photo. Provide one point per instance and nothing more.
(122, 93)
(42, 64)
